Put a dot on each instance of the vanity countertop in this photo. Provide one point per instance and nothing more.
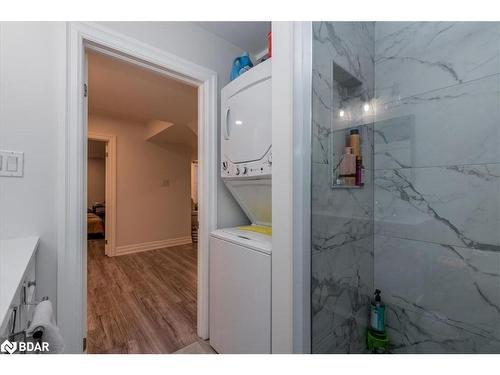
(15, 255)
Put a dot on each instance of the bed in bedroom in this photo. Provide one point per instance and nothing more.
(95, 225)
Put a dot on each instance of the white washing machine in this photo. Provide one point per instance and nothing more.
(240, 291)
(240, 258)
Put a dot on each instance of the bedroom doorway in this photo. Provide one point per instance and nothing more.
(96, 190)
(101, 190)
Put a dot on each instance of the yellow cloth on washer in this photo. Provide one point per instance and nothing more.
(258, 228)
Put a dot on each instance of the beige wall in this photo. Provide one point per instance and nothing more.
(153, 184)
(96, 177)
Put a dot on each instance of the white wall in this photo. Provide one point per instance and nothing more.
(193, 43)
(153, 194)
(32, 84)
(32, 109)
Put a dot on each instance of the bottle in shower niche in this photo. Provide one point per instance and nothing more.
(377, 313)
(355, 143)
(360, 172)
(348, 167)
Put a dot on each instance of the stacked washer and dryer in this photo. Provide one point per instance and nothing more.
(240, 257)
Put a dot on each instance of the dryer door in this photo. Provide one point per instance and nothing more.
(246, 123)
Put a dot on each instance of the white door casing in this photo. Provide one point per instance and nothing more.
(71, 306)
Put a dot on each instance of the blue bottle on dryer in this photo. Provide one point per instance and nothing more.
(240, 65)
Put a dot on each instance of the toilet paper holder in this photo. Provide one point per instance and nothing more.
(35, 334)
(27, 285)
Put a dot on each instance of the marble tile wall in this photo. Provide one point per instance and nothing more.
(342, 219)
(437, 184)
(426, 227)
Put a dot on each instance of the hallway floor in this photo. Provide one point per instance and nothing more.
(143, 302)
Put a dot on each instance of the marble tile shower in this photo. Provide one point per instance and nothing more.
(342, 219)
(425, 228)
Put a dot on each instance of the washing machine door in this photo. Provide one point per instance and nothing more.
(246, 116)
(255, 198)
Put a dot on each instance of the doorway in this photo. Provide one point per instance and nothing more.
(96, 189)
(101, 189)
(141, 269)
(73, 240)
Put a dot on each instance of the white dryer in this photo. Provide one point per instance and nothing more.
(246, 152)
(246, 124)
(240, 258)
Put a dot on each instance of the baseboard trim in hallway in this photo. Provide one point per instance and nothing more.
(153, 245)
(143, 302)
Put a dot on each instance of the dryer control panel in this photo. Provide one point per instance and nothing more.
(258, 168)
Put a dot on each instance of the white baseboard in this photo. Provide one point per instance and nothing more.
(153, 245)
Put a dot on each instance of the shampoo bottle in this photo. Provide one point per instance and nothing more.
(377, 313)
(360, 172)
(348, 167)
(354, 142)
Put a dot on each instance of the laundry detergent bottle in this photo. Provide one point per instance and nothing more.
(377, 313)
(240, 65)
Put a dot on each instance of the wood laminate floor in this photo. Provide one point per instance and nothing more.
(143, 302)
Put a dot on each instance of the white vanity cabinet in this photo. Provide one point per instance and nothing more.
(17, 284)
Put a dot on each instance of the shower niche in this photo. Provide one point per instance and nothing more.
(351, 130)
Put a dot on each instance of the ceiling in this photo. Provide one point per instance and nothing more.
(128, 91)
(249, 36)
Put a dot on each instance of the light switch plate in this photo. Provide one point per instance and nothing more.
(11, 163)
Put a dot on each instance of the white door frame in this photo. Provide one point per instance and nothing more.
(110, 187)
(291, 115)
(72, 245)
(302, 146)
